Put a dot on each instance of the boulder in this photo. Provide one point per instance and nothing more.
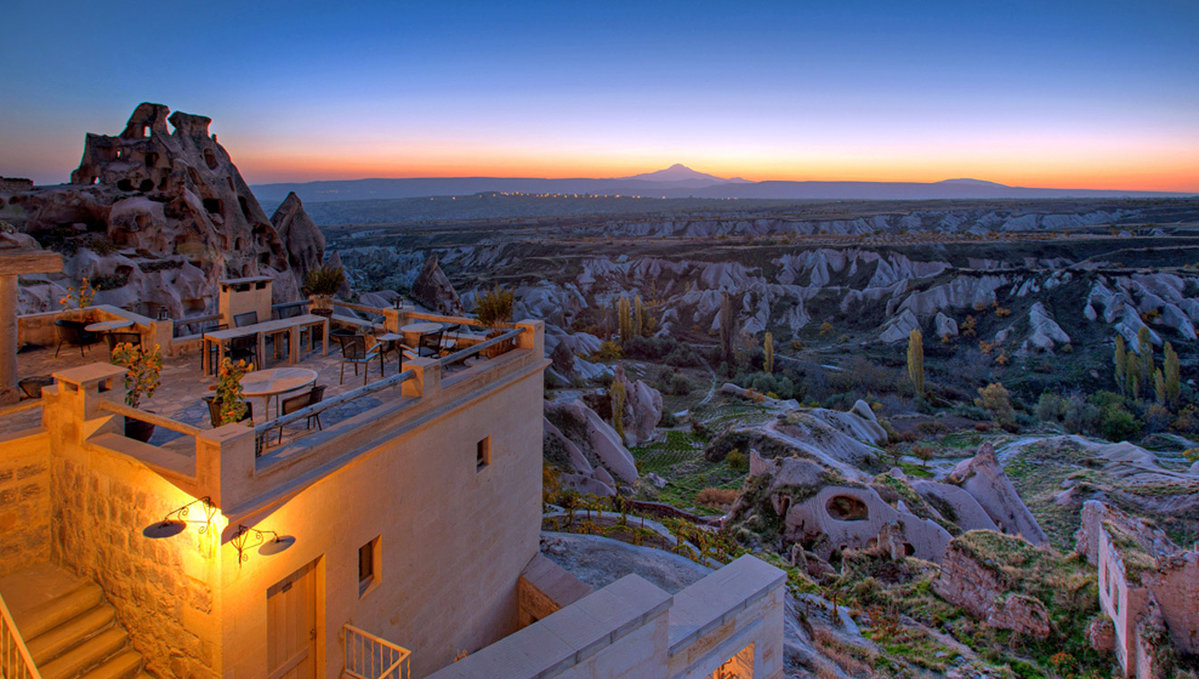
(899, 327)
(1043, 330)
(954, 504)
(595, 441)
(1101, 634)
(945, 326)
(433, 290)
(642, 408)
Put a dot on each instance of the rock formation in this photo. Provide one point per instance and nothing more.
(984, 479)
(155, 217)
(433, 290)
(585, 449)
(305, 242)
(642, 409)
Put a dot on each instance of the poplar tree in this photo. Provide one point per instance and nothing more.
(617, 394)
(1120, 358)
(916, 361)
(1145, 349)
(638, 317)
(1132, 373)
(624, 319)
(1159, 387)
(768, 352)
(727, 322)
(1170, 365)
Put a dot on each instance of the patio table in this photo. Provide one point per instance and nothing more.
(413, 331)
(292, 326)
(275, 382)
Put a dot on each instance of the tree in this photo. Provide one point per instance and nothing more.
(624, 319)
(916, 361)
(617, 394)
(995, 398)
(768, 353)
(1132, 373)
(1159, 387)
(1120, 358)
(638, 317)
(1171, 369)
(1145, 350)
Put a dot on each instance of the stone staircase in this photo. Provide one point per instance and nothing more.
(70, 629)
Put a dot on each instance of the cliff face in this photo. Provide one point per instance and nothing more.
(158, 216)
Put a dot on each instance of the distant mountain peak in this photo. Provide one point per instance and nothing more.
(969, 181)
(677, 173)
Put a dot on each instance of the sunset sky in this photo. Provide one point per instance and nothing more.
(1090, 94)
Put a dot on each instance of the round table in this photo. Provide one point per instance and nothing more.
(105, 326)
(275, 382)
(413, 331)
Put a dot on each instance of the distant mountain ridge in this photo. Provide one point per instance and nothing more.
(676, 181)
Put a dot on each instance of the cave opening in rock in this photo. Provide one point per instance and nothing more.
(847, 508)
(146, 185)
(213, 205)
(125, 184)
(210, 159)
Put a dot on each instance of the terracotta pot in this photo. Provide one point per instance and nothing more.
(138, 430)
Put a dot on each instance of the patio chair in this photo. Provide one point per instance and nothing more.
(214, 411)
(301, 401)
(242, 320)
(354, 351)
(244, 349)
(449, 340)
(212, 349)
(115, 338)
(429, 344)
(73, 333)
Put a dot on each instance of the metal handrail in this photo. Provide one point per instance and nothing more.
(371, 657)
(15, 660)
(463, 354)
(336, 400)
(158, 420)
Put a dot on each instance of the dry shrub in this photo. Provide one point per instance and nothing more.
(717, 497)
(845, 655)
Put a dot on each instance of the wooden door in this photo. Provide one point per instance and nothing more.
(291, 626)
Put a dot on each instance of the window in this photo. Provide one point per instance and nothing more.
(482, 453)
(368, 566)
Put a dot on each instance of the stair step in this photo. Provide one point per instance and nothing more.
(123, 666)
(55, 642)
(47, 616)
(86, 655)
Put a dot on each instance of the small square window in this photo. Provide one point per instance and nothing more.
(368, 566)
(482, 453)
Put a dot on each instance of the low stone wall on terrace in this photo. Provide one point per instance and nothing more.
(24, 500)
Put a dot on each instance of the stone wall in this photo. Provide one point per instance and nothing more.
(24, 500)
(159, 587)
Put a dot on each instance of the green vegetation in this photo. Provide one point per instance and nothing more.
(324, 280)
(494, 307)
(916, 361)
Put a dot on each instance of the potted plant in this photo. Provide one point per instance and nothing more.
(77, 300)
(493, 308)
(143, 371)
(230, 400)
(321, 284)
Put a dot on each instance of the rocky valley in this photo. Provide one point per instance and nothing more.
(965, 429)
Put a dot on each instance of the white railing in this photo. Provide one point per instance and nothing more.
(15, 661)
(369, 657)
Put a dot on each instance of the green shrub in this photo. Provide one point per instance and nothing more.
(1050, 407)
(324, 280)
(1117, 424)
(494, 307)
(737, 460)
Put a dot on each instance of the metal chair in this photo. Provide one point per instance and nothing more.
(301, 401)
(115, 338)
(242, 320)
(244, 349)
(449, 340)
(212, 348)
(214, 411)
(354, 351)
(75, 334)
(429, 344)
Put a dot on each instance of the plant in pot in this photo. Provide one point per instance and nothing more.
(321, 284)
(143, 371)
(77, 301)
(230, 399)
(493, 308)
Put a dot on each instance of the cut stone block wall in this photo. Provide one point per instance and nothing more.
(24, 500)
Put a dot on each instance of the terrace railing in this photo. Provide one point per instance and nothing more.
(157, 420)
(15, 661)
(370, 657)
(508, 337)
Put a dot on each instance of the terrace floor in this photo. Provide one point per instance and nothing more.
(182, 385)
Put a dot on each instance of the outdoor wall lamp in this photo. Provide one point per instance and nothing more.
(176, 520)
(243, 540)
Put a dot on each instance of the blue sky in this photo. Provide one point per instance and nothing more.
(1100, 94)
